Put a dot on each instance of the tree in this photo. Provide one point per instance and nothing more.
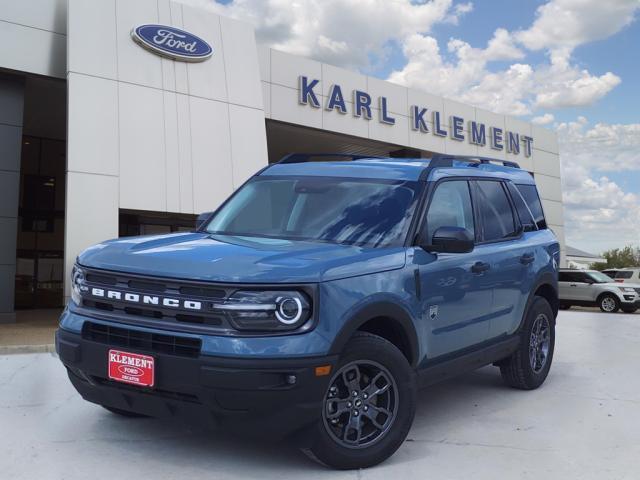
(619, 258)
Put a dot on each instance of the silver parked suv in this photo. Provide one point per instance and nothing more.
(592, 288)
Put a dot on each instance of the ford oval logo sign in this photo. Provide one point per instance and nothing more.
(172, 43)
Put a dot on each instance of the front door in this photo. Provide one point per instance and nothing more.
(456, 300)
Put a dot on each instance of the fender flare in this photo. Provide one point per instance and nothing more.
(373, 310)
(546, 278)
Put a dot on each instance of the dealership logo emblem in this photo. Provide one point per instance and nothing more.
(172, 43)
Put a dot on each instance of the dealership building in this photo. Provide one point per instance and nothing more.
(126, 117)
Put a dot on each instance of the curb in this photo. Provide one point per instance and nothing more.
(18, 349)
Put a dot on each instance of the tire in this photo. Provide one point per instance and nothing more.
(336, 446)
(518, 370)
(629, 309)
(608, 303)
(124, 413)
(564, 306)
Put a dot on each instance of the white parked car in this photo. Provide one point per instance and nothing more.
(591, 288)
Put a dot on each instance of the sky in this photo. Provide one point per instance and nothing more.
(572, 66)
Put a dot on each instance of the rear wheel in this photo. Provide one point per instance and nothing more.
(369, 405)
(608, 303)
(529, 366)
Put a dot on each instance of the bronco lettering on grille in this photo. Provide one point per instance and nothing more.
(146, 299)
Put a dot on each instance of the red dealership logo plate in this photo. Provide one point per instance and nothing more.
(131, 368)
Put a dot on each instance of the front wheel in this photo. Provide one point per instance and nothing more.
(528, 367)
(609, 303)
(369, 405)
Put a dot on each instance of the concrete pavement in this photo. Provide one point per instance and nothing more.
(584, 423)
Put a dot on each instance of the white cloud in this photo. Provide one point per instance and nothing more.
(347, 33)
(566, 86)
(545, 119)
(521, 88)
(599, 213)
(467, 78)
(604, 147)
(562, 24)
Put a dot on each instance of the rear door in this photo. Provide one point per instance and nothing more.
(511, 251)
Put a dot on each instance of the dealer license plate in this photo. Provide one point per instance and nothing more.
(131, 368)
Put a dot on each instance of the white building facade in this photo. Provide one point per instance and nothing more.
(101, 137)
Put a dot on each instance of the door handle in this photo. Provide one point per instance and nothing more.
(527, 258)
(480, 267)
(573, 285)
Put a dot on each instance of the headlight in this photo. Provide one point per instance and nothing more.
(77, 284)
(266, 310)
(627, 289)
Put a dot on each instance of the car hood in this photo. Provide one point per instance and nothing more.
(199, 256)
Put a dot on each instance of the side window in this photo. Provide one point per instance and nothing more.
(624, 275)
(530, 195)
(494, 210)
(582, 277)
(571, 277)
(450, 207)
(524, 212)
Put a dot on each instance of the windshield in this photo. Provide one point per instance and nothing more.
(600, 277)
(371, 212)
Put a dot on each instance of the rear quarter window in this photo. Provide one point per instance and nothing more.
(530, 195)
(624, 275)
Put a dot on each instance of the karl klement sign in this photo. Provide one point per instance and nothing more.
(478, 133)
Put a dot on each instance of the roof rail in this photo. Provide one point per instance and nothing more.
(308, 157)
(446, 161)
(484, 160)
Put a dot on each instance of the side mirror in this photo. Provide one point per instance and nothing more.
(451, 240)
(203, 217)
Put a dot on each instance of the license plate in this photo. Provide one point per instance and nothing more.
(131, 368)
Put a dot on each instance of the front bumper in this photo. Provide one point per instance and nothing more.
(252, 395)
(630, 301)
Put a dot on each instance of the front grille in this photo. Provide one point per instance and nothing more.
(138, 340)
(180, 290)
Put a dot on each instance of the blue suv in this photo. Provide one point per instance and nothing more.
(317, 299)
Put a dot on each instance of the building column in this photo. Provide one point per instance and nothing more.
(11, 107)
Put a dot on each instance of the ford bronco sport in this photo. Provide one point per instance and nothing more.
(316, 300)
